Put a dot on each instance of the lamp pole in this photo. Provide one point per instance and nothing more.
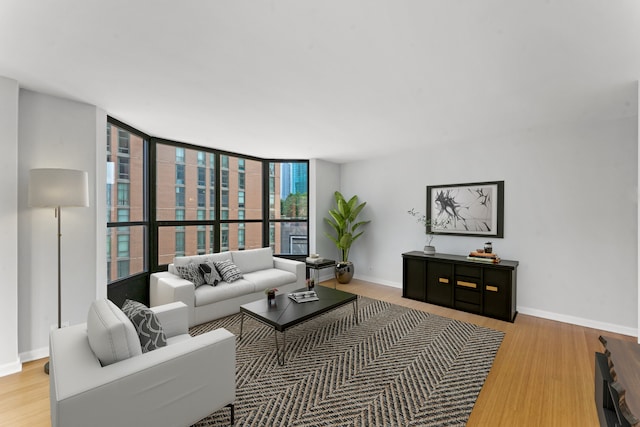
(56, 188)
(58, 214)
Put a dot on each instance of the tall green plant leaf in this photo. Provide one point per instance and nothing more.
(343, 221)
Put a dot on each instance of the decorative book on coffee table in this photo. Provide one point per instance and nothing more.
(304, 296)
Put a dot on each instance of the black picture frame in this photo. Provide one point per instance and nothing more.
(473, 209)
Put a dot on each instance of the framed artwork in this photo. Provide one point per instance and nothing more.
(474, 209)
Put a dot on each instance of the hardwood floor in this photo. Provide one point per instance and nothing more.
(542, 374)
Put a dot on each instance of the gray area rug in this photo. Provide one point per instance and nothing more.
(397, 367)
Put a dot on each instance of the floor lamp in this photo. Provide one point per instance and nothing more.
(55, 188)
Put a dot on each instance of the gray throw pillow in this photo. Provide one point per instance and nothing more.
(229, 271)
(147, 325)
(210, 274)
(191, 272)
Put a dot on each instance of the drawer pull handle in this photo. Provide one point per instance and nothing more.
(443, 280)
(492, 288)
(467, 284)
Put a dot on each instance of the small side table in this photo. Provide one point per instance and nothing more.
(315, 267)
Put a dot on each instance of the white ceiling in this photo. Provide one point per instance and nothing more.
(339, 80)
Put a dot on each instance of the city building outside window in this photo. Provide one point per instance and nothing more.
(123, 194)
(202, 244)
(241, 180)
(180, 174)
(180, 246)
(179, 155)
(127, 222)
(123, 141)
(288, 207)
(224, 238)
(186, 219)
(240, 238)
(224, 180)
(124, 269)
(123, 167)
(180, 198)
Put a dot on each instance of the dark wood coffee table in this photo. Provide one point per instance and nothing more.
(284, 313)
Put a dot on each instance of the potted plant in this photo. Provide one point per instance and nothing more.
(343, 221)
(428, 226)
(271, 295)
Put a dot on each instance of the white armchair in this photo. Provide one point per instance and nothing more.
(171, 386)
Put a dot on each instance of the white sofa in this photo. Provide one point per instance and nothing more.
(260, 270)
(175, 385)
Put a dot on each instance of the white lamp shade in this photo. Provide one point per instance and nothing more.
(58, 187)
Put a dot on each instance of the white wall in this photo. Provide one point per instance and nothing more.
(9, 360)
(570, 215)
(324, 180)
(57, 133)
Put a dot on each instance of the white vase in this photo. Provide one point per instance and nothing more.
(429, 250)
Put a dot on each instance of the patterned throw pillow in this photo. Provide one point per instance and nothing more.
(191, 272)
(147, 325)
(229, 271)
(210, 274)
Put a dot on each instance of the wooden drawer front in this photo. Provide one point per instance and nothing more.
(467, 290)
(467, 283)
(467, 295)
(440, 283)
(465, 306)
(468, 270)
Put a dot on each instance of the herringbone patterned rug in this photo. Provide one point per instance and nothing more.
(397, 367)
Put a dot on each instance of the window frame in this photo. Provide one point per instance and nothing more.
(217, 224)
(123, 193)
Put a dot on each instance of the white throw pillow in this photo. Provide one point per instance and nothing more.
(112, 336)
(253, 259)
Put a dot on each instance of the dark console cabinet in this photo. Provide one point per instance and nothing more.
(414, 271)
(456, 282)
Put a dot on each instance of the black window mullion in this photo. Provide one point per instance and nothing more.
(152, 197)
(265, 203)
(216, 224)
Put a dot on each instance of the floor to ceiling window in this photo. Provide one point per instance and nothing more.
(185, 200)
(127, 225)
(167, 199)
(241, 216)
(289, 207)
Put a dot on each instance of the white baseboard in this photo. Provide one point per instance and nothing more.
(378, 281)
(10, 368)
(580, 321)
(39, 353)
(326, 276)
(558, 317)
